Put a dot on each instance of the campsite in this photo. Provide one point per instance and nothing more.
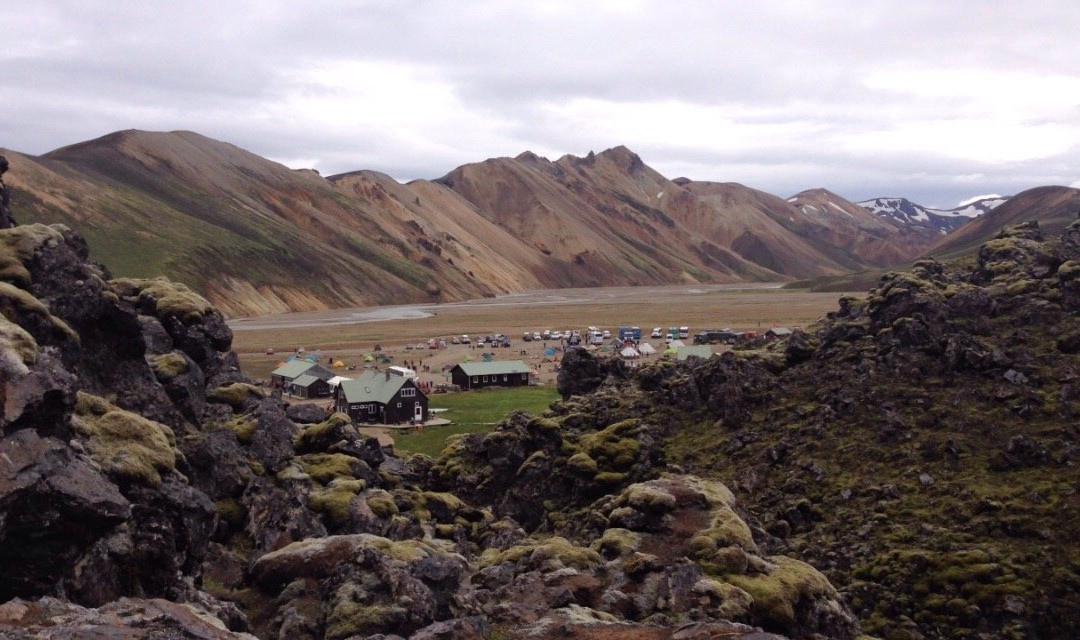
(349, 342)
(349, 337)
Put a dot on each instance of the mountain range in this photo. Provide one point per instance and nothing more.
(941, 220)
(256, 237)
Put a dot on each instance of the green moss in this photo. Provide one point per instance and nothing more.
(15, 302)
(325, 467)
(171, 299)
(243, 427)
(125, 444)
(616, 447)
(348, 618)
(312, 433)
(731, 602)
(610, 478)
(778, 594)
(582, 464)
(617, 542)
(646, 497)
(230, 511)
(168, 365)
(543, 425)
(18, 245)
(553, 553)
(1069, 270)
(18, 350)
(536, 460)
(442, 502)
(381, 503)
(335, 501)
(235, 394)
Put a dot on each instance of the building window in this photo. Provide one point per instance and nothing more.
(408, 392)
(504, 377)
(399, 405)
(372, 408)
(525, 377)
(485, 378)
(475, 379)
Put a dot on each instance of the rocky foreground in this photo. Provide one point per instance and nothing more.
(148, 490)
(917, 447)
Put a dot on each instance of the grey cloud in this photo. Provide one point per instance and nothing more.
(73, 72)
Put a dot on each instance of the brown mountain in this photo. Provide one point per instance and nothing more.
(831, 221)
(257, 237)
(1053, 207)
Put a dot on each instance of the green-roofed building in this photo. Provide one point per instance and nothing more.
(309, 386)
(702, 351)
(284, 375)
(478, 375)
(381, 397)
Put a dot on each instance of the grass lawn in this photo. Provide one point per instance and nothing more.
(473, 412)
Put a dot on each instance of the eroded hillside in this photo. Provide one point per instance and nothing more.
(255, 237)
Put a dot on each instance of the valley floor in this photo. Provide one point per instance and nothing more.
(350, 334)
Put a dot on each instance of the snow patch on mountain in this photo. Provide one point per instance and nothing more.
(907, 212)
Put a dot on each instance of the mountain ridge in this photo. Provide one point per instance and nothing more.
(256, 237)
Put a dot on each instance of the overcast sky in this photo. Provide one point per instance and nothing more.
(937, 101)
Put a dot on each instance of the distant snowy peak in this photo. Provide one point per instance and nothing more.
(907, 212)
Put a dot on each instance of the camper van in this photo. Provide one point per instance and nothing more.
(684, 333)
(404, 372)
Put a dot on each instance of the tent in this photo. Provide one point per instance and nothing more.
(630, 352)
(369, 358)
(671, 351)
(646, 349)
(675, 344)
(338, 364)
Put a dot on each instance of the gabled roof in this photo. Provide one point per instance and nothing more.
(494, 368)
(296, 368)
(374, 386)
(305, 380)
(779, 331)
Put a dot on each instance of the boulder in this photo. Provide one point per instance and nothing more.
(54, 505)
(125, 618)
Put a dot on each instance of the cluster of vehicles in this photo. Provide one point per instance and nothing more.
(591, 335)
(597, 336)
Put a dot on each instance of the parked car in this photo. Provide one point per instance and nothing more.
(536, 336)
(605, 334)
(526, 337)
(657, 332)
(465, 339)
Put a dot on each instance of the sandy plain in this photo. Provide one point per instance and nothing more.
(349, 335)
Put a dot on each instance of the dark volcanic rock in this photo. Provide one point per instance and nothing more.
(126, 618)
(54, 505)
(305, 413)
(6, 219)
